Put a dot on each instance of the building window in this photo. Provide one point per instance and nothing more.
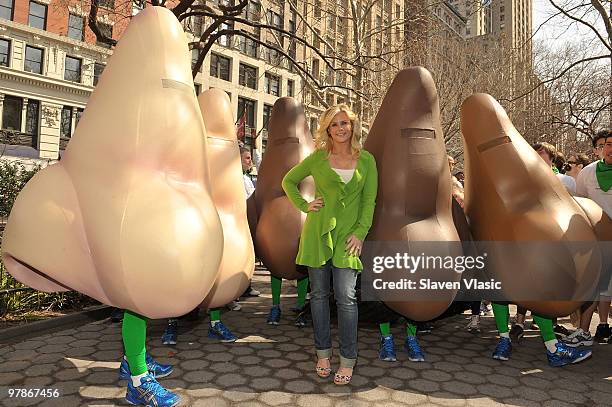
(313, 125)
(32, 114)
(225, 40)
(220, 67)
(72, 70)
(272, 84)
(66, 124)
(246, 108)
(33, 60)
(290, 87)
(98, 69)
(76, 26)
(195, 53)
(6, 9)
(247, 76)
(38, 15)
(5, 52)
(79, 113)
(107, 30)
(248, 46)
(267, 113)
(11, 114)
(275, 19)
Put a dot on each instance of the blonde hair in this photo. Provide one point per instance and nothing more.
(322, 139)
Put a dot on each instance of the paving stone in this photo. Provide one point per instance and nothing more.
(436, 375)
(13, 366)
(265, 383)
(46, 369)
(459, 388)
(406, 397)
(97, 392)
(310, 400)
(423, 385)
(213, 401)
(236, 395)
(202, 392)
(276, 398)
(248, 360)
(106, 377)
(8, 378)
(299, 386)
(445, 399)
(493, 390)
(230, 379)
(199, 376)
(195, 364)
(375, 394)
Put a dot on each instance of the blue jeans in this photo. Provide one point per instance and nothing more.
(345, 280)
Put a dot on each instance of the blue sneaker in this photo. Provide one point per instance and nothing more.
(503, 350)
(387, 349)
(566, 355)
(150, 393)
(156, 369)
(170, 334)
(274, 315)
(220, 331)
(415, 354)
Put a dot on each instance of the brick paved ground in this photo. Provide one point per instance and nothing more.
(273, 366)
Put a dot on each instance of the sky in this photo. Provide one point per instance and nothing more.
(560, 30)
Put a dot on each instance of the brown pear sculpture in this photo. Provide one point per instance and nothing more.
(279, 223)
(126, 217)
(414, 188)
(549, 262)
(229, 197)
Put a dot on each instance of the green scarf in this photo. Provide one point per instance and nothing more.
(555, 170)
(603, 172)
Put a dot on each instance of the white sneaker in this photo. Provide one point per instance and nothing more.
(234, 306)
(578, 338)
(474, 324)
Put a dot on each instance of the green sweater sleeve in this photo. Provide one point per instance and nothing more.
(292, 180)
(368, 201)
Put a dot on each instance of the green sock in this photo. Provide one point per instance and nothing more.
(546, 327)
(501, 312)
(134, 333)
(302, 289)
(385, 328)
(276, 290)
(411, 329)
(214, 314)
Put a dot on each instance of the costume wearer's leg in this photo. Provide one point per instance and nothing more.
(134, 333)
(345, 280)
(546, 331)
(411, 329)
(276, 290)
(501, 313)
(319, 308)
(302, 290)
(215, 315)
(385, 328)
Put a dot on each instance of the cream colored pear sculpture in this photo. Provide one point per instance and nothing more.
(229, 196)
(126, 217)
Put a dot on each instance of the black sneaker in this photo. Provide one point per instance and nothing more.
(303, 318)
(602, 333)
(424, 327)
(117, 315)
(561, 332)
(516, 333)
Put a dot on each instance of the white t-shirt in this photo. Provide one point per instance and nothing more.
(588, 187)
(568, 182)
(248, 185)
(346, 175)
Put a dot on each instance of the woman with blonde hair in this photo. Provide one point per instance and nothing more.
(338, 221)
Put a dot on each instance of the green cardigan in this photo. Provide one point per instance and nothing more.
(348, 209)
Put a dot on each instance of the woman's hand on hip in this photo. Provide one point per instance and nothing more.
(315, 205)
(354, 245)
